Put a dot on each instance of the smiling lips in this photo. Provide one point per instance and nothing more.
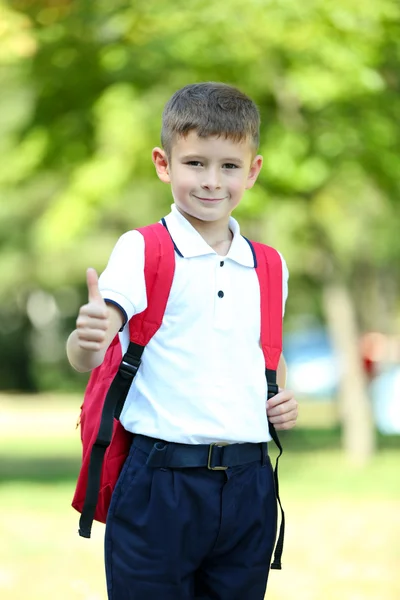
(209, 199)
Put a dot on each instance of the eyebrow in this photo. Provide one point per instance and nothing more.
(200, 157)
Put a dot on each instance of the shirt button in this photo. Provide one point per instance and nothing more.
(221, 264)
(220, 294)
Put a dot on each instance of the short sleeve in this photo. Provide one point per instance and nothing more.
(285, 279)
(122, 282)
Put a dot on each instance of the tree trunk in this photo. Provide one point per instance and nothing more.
(358, 430)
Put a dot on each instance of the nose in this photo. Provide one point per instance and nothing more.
(211, 179)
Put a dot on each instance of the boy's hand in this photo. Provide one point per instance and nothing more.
(282, 410)
(92, 322)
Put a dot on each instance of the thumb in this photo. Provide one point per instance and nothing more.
(92, 281)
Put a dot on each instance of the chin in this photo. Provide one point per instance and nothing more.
(206, 214)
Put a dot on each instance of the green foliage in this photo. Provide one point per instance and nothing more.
(83, 85)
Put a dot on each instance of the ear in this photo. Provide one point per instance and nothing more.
(255, 168)
(160, 161)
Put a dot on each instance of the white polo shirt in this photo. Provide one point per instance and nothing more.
(202, 377)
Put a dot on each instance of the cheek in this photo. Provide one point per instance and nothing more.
(179, 180)
(184, 183)
(237, 184)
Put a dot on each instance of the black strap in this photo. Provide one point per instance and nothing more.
(272, 391)
(112, 408)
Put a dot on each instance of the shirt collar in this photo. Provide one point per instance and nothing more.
(189, 243)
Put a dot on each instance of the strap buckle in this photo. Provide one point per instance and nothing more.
(273, 389)
(210, 452)
(129, 369)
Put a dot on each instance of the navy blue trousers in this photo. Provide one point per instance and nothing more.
(190, 534)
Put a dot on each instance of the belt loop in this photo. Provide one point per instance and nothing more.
(158, 455)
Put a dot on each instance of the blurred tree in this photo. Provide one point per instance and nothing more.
(83, 86)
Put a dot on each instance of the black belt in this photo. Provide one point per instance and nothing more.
(217, 456)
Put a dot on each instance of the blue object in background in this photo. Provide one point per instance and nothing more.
(314, 373)
(313, 367)
(385, 394)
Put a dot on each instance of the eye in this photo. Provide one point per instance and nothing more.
(194, 163)
(230, 166)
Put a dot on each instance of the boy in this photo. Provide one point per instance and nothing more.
(193, 533)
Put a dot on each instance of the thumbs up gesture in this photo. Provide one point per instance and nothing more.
(92, 322)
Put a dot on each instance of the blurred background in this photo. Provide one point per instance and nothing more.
(82, 88)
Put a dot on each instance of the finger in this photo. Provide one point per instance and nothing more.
(282, 408)
(285, 426)
(92, 281)
(88, 322)
(292, 415)
(91, 335)
(94, 311)
(282, 396)
(91, 346)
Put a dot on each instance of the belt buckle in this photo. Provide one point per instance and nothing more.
(210, 451)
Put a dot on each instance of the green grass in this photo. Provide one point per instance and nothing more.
(343, 523)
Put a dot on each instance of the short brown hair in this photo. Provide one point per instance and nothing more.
(210, 109)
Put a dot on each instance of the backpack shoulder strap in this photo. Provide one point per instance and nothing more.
(268, 265)
(269, 272)
(159, 268)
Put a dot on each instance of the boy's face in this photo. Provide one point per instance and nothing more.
(208, 176)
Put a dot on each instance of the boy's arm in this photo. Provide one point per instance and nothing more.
(281, 372)
(96, 326)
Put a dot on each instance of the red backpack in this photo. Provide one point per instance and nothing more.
(104, 440)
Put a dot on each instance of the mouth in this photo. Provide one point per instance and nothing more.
(209, 199)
